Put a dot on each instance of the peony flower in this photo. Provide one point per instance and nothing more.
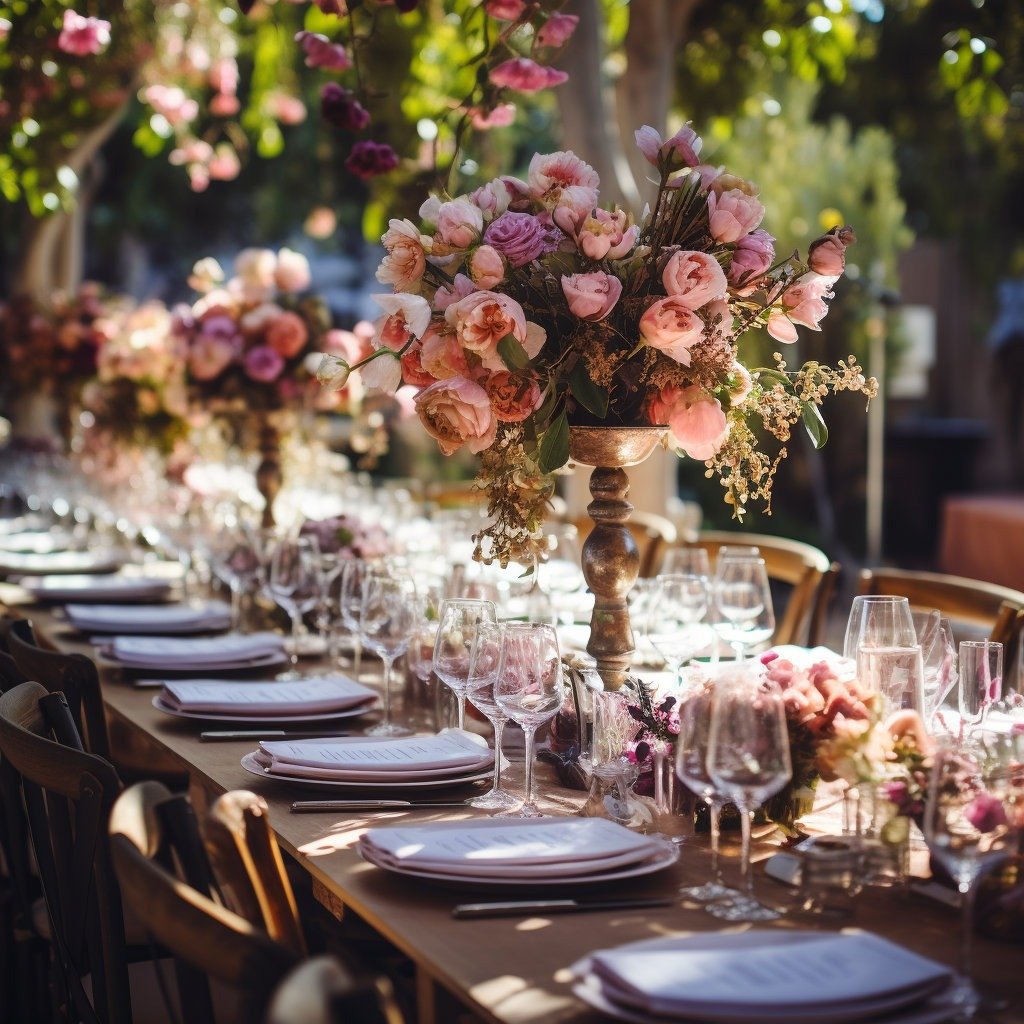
(322, 53)
(695, 278)
(557, 29)
(459, 223)
(486, 267)
(754, 255)
(287, 334)
(513, 397)
(209, 356)
(670, 326)
(255, 268)
(491, 199)
(803, 303)
(606, 234)
(82, 36)
(340, 108)
(412, 367)
(457, 413)
(733, 214)
(405, 262)
(565, 184)
(206, 274)
(442, 356)
(679, 151)
(483, 318)
(827, 255)
(461, 287)
(695, 420)
(519, 237)
(525, 75)
(263, 364)
(500, 116)
(591, 296)
(368, 159)
(505, 10)
(292, 273)
(986, 813)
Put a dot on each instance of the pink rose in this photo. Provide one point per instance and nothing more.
(368, 159)
(457, 413)
(501, 116)
(754, 254)
(679, 151)
(459, 223)
(695, 278)
(209, 356)
(591, 296)
(491, 199)
(606, 234)
(565, 184)
(696, 420)
(803, 303)
(506, 10)
(413, 372)
(827, 255)
(483, 318)
(525, 75)
(287, 334)
(486, 267)
(733, 214)
(557, 29)
(670, 326)
(405, 262)
(513, 398)
(292, 272)
(519, 237)
(461, 287)
(442, 356)
(322, 53)
(263, 364)
(82, 36)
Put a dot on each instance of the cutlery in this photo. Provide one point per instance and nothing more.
(213, 736)
(516, 908)
(312, 806)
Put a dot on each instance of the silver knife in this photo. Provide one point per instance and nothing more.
(516, 908)
(266, 734)
(312, 806)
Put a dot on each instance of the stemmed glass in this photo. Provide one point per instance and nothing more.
(981, 681)
(748, 761)
(686, 561)
(692, 769)
(455, 635)
(295, 586)
(387, 620)
(878, 620)
(677, 609)
(559, 575)
(484, 663)
(938, 653)
(530, 689)
(743, 598)
(231, 560)
(972, 820)
(354, 575)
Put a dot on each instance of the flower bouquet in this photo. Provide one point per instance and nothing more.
(524, 307)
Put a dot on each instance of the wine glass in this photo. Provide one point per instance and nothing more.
(686, 561)
(894, 672)
(981, 681)
(878, 620)
(455, 635)
(748, 761)
(972, 820)
(484, 663)
(295, 586)
(387, 619)
(354, 575)
(677, 610)
(231, 559)
(559, 575)
(938, 654)
(530, 689)
(736, 553)
(743, 598)
(692, 769)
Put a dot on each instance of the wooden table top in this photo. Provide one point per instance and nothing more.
(513, 971)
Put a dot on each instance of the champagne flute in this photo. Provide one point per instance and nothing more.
(387, 620)
(484, 663)
(294, 585)
(677, 610)
(455, 635)
(981, 682)
(748, 761)
(743, 598)
(530, 689)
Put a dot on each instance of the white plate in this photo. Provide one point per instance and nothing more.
(61, 563)
(113, 589)
(326, 716)
(253, 767)
(213, 668)
(37, 542)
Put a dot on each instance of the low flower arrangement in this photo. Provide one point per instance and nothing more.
(347, 537)
(524, 307)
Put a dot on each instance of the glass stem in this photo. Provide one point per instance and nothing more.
(462, 709)
(738, 648)
(499, 728)
(387, 690)
(967, 890)
(715, 807)
(236, 606)
(745, 872)
(531, 734)
(357, 647)
(296, 617)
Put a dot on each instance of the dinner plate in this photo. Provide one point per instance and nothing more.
(253, 767)
(268, 660)
(61, 563)
(326, 716)
(111, 589)
(36, 542)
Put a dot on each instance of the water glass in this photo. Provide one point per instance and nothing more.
(743, 600)
(456, 632)
(686, 561)
(676, 619)
(878, 621)
(295, 586)
(355, 574)
(387, 620)
(896, 673)
(981, 682)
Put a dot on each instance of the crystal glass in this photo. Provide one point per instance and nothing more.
(748, 761)
(613, 773)
(938, 655)
(456, 632)
(529, 689)
(295, 586)
(743, 599)
(972, 820)
(894, 672)
(232, 561)
(560, 573)
(676, 626)
(686, 561)
(354, 575)
(981, 682)
(736, 553)
(484, 663)
(387, 620)
(878, 621)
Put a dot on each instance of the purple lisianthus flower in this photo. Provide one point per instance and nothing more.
(519, 237)
(263, 364)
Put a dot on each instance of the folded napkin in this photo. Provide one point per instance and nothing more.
(45, 563)
(96, 587)
(305, 696)
(168, 618)
(218, 650)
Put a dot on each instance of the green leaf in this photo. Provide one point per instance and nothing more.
(814, 424)
(772, 377)
(513, 354)
(554, 446)
(592, 397)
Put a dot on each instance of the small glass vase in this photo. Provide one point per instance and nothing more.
(884, 836)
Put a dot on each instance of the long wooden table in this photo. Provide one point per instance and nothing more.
(508, 971)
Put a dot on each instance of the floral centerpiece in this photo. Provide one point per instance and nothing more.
(524, 307)
(347, 537)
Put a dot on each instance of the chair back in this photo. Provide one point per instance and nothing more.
(167, 883)
(651, 533)
(67, 797)
(810, 573)
(324, 991)
(249, 868)
(74, 675)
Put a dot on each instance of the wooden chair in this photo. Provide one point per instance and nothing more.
(324, 991)
(810, 573)
(249, 868)
(67, 797)
(166, 881)
(652, 534)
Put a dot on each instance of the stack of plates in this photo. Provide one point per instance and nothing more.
(97, 588)
(228, 653)
(783, 977)
(304, 700)
(199, 617)
(450, 758)
(543, 852)
(60, 562)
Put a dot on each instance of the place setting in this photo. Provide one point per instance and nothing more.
(150, 620)
(231, 652)
(114, 588)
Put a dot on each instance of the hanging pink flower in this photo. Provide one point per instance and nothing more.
(827, 255)
(695, 420)
(172, 103)
(322, 53)
(224, 105)
(501, 116)
(82, 36)
(679, 151)
(505, 10)
(557, 29)
(804, 303)
(340, 108)
(368, 159)
(525, 75)
(284, 108)
(224, 165)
